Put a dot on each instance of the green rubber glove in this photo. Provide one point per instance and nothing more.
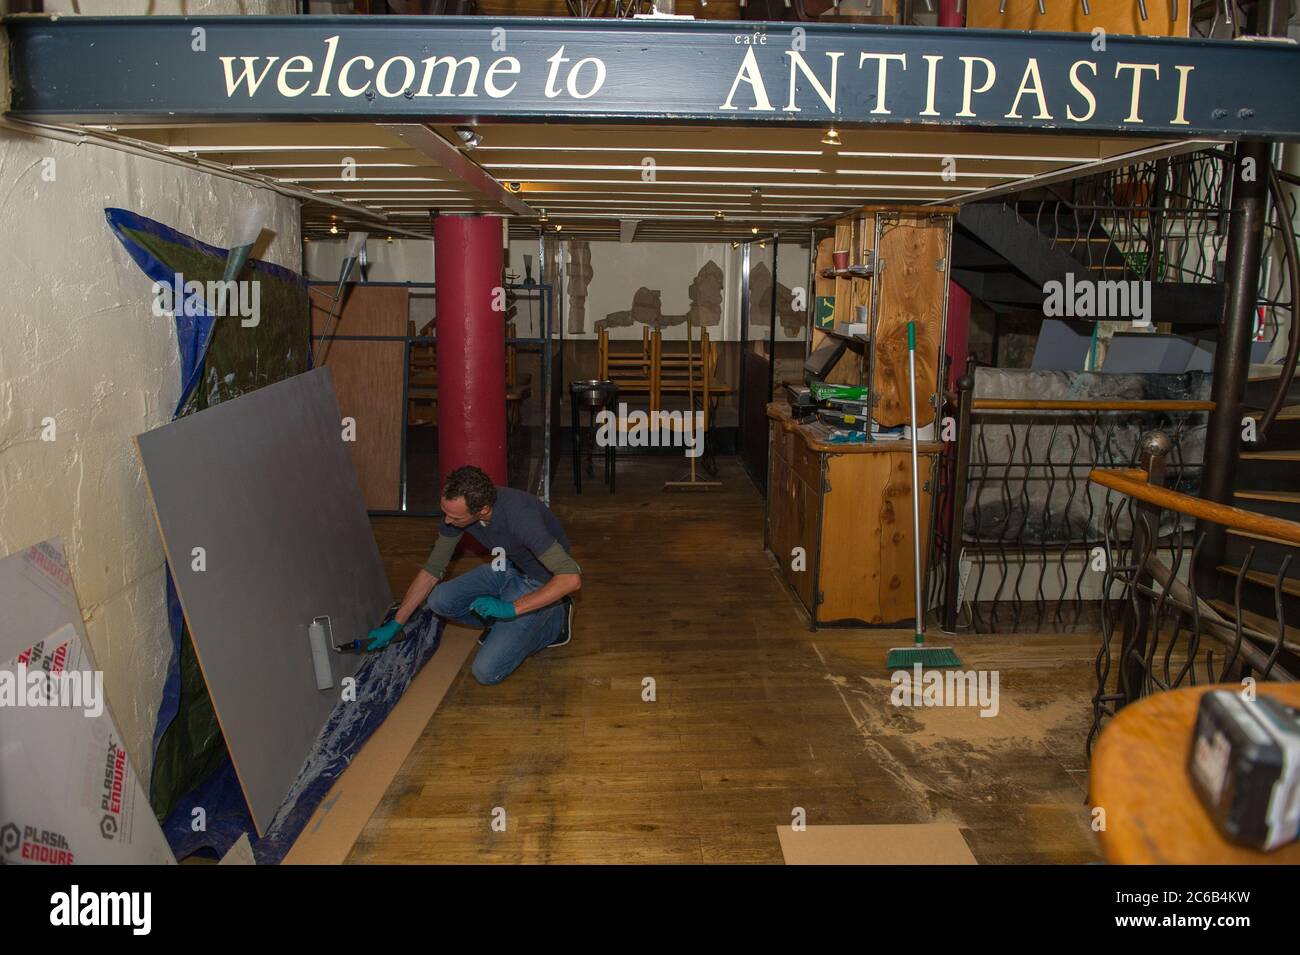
(382, 634)
(490, 608)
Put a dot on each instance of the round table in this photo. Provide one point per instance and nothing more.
(1139, 776)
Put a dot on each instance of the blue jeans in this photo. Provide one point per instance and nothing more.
(509, 642)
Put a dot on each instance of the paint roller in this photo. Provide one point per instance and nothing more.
(320, 636)
(356, 244)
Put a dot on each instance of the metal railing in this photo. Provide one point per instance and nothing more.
(1018, 525)
(1157, 631)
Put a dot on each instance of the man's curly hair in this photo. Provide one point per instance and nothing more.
(473, 485)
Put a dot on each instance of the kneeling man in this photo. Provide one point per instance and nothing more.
(523, 598)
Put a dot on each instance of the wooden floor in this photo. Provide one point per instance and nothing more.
(755, 715)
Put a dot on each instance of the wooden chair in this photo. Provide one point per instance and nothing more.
(631, 371)
(422, 383)
(518, 388)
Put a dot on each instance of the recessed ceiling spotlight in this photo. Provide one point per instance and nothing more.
(718, 215)
(468, 137)
(832, 138)
(334, 229)
(543, 217)
(754, 230)
(514, 186)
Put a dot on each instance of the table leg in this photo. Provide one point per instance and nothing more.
(577, 447)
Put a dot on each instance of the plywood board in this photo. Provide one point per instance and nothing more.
(368, 382)
(922, 844)
(366, 310)
(263, 485)
(334, 827)
(68, 792)
(911, 286)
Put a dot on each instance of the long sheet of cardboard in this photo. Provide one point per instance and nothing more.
(936, 843)
(265, 529)
(68, 793)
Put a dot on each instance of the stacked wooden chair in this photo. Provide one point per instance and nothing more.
(657, 373)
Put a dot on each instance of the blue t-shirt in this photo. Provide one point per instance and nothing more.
(521, 525)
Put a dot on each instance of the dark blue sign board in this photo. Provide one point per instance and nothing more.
(395, 69)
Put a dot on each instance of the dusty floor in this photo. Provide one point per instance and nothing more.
(754, 714)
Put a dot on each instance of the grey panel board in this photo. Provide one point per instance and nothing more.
(264, 484)
(1061, 346)
(1147, 353)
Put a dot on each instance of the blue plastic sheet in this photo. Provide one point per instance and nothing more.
(381, 681)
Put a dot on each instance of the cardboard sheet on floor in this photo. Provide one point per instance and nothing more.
(265, 529)
(68, 793)
(936, 843)
(334, 827)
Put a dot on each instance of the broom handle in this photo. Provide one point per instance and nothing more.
(916, 486)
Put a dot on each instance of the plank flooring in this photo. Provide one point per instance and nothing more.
(754, 715)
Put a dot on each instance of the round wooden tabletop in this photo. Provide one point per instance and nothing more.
(1139, 777)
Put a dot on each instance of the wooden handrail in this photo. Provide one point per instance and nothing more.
(1067, 404)
(1133, 482)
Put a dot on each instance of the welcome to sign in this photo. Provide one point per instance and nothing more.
(453, 68)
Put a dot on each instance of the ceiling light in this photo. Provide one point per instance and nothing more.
(334, 229)
(390, 238)
(832, 138)
(543, 217)
(754, 230)
(735, 244)
(718, 215)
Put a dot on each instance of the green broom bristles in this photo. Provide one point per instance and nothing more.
(902, 658)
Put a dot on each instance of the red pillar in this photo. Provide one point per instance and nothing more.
(949, 16)
(958, 344)
(467, 262)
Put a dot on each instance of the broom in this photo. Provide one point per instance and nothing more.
(917, 654)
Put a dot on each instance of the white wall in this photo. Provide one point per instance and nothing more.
(79, 344)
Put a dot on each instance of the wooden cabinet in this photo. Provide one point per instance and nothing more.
(848, 510)
(906, 249)
(839, 516)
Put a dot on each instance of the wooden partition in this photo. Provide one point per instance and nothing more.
(368, 380)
